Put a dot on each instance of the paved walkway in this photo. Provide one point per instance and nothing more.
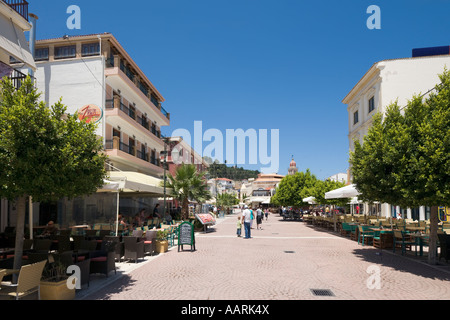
(284, 261)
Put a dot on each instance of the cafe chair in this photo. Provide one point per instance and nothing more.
(365, 233)
(403, 241)
(42, 245)
(28, 282)
(63, 243)
(444, 243)
(103, 260)
(134, 249)
(119, 251)
(150, 242)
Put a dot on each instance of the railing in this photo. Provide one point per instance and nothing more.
(109, 145)
(20, 6)
(17, 78)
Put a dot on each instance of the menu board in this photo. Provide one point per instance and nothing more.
(186, 235)
(206, 218)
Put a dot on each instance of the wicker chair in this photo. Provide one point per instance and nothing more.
(150, 241)
(63, 243)
(28, 282)
(42, 245)
(67, 259)
(103, 261)
(134, 249)
(119, 251)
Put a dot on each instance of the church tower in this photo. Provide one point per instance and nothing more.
(292, 168)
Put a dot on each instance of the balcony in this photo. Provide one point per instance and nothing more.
(141, 121)
(20, 6)
(115, 144)
(17, 78)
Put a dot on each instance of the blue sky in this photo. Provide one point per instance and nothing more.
(259, 64)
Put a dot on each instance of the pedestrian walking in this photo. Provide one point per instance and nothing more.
(266, 213)
(259, 218)
(239, 227)
(246, 219)
(252, 217)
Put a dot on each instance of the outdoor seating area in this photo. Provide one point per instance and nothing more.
(95, 250)
(399, 235)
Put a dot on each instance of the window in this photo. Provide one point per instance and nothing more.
(355, 117)
(371, 104)
(154, 99)
(41, 54)
(65, 52)
(90, 49)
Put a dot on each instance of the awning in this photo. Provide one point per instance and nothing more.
(345, 192)
(12, 40)
(133, 182)
(310, 200)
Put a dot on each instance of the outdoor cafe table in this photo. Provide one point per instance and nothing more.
(5, 251)
(386, 237)
(410, 228)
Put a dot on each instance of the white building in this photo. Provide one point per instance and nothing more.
(14, 22)
(338, 177)
(385, 82)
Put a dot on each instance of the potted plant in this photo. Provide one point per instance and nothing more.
(162, 245)
(53, 284)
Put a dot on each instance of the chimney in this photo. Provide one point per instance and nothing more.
(33, 19)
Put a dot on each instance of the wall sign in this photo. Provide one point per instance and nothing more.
(90, 113)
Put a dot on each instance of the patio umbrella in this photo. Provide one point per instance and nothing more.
(310, 200)
(344, 192)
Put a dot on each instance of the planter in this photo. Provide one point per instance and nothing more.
(162, 246)
(56, 291)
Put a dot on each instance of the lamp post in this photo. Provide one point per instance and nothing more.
(165, 168)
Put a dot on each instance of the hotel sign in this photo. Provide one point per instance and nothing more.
(90, 113)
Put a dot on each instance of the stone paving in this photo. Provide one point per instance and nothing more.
(284, 261)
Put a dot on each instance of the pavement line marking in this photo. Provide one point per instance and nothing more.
(265, 237)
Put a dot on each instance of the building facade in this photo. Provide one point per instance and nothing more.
(14, 50)
(384, 83)
(96, 78)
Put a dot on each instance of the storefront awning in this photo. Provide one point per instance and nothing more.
(12, 40)
(133, 182)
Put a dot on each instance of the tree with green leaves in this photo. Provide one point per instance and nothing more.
(294, 188)
(405, 157)
(188, 184)
(226, 200)
(321, 187)
(45, 153)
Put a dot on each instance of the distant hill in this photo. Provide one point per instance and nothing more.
(220, 170)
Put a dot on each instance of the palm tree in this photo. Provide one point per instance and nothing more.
(188, 184)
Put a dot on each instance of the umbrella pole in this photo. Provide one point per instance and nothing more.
(117, 215)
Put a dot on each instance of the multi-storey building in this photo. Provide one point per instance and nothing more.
(97, 78)
(94, 73)
(388, 81)
(14, 22)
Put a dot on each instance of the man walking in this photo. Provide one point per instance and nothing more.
(246, 219)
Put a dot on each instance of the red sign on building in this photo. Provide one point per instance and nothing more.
(90, 113)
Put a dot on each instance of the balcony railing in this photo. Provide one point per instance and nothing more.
(140, 154)
(20, 6)
(17, 78)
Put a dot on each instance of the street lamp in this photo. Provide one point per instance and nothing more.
(166, 141)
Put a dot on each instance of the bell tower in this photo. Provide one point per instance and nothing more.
(292, 167)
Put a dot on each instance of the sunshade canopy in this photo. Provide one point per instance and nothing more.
(345, 192)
